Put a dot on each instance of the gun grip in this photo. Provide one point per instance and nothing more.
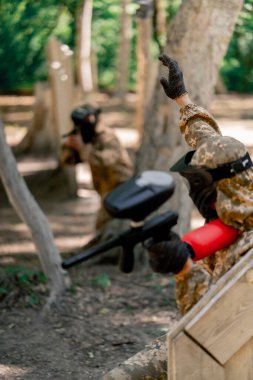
(126, 263)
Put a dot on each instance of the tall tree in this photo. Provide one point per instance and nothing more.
(124, 50)
(160, 23)
(24, 31)
(144, 35)
(197, 38)
(84, 62)
(237, 68)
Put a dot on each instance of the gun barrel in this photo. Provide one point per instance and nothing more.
(158, 228)
(86, 255)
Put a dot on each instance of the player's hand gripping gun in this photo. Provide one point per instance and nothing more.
(135, 199)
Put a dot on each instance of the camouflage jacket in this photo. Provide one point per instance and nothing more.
(234, 203)
(234, 195)
(109, 162)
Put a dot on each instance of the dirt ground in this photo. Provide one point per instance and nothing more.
(106, 316)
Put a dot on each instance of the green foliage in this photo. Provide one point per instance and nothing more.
(172, 7)
(25, 28)
(102, 280)
(237, 67)
(105, 39)
(21, 286)
(23, 275)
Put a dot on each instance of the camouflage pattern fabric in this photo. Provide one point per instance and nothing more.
(219, 263)
(235, 200)
(109, 161)
(110, 166)
(197, 125)
(234, 204)
(191, 287)
(194, 284)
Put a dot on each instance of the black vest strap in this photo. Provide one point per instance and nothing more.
(232, 168)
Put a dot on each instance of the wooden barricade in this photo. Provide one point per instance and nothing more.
(63, 97)
(62, 85)
(214, 341)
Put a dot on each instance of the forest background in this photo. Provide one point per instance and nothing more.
(26, 28)
(129, 310)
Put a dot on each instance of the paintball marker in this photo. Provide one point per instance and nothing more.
(135, 199)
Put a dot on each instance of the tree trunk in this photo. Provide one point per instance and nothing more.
(124, 51)
(30, 213)
(60, 65)
(144, 36)
(160, 23)
(197, 38)
(53, 103)
(84, 65)
(40, 137)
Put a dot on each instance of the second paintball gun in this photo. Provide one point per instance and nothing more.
(135, 199)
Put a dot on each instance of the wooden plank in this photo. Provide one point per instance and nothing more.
(240, 366)
(190, 362)
(222, 286)
(227, 324)
(207, 302)
(224, 283)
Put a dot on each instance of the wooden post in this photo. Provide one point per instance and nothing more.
(62, 87)
(215, 339)
(61, 78)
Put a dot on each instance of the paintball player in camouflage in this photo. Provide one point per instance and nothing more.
(109, 162)
(220, 176)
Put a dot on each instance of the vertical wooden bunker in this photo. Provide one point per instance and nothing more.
(214, 341)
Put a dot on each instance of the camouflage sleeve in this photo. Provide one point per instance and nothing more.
(222, 261)
(197, 125)
(191, 287)
(235, 200)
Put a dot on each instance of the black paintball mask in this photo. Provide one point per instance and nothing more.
(202, 180)
(85, 119)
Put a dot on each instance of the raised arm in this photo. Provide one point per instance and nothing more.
(196, 123)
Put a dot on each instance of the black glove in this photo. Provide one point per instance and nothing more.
(168, 256)
(174, 86)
